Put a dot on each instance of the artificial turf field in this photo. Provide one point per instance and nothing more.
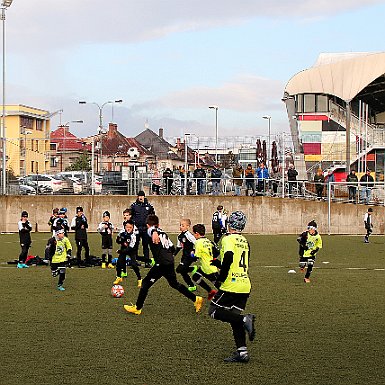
(331, 331)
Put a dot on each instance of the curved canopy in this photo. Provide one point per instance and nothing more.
(343, 75)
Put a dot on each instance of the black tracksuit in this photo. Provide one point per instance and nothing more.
(127, 242)
(140, 212)
(185, 243)
(25, 229)
(80, 225)
(164, 267)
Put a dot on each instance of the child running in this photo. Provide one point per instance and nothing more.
(185, 243)
(58, 250)
(309, 243)
(163, 252)
(127, 241)
(106, 229)
(205, 252)
(234, 286)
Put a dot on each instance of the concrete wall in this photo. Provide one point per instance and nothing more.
(265, 215)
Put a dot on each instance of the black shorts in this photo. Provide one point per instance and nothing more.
(235, 302)
(106, 242)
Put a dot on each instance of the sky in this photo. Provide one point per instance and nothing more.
(169, 60)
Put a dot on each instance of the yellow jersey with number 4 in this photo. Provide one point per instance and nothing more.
(237, 280)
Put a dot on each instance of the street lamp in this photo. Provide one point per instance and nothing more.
(4, 5)
(268, 117)
(216, 131)
(101, 131)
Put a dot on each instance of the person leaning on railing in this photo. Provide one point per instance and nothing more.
(319, 181)
(237, 178)
(352, 188)
(367, 183)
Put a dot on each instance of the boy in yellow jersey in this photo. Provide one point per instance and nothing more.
(58, 250)
(309, 243)
(204, 251)
(234, 287)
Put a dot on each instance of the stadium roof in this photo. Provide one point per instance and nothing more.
(345, 75)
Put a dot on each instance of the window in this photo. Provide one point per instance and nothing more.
(53, 161)
(322, 103)
(26, 122)
(53, 146)
(299, 103)
(39, 125)
(309, 103)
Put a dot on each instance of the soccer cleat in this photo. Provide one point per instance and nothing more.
(198, 304)
(60, 287)
(211, 294)
(139, 283)
(248, 324)
(302, 269)
(118, 280)
(104, 265)
(20, 265)
(238, 357)
(192, 288)
(110, 266)
(306, 280)
(123, 274)
(132, 309)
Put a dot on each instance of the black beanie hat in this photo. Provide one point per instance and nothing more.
(106, 214)
(24, 214)
(141, 193)
(79, 208)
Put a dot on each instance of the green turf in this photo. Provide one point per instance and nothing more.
(331, 331)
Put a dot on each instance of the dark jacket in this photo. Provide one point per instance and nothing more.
(163, 252)
(292, 174)
(25, 229)
(61, 223)
(319, 180)
(352, 178)
(199, 173)
(216, 175)
(168, 174)
(140, 212)
(367, 181)
(80, 225)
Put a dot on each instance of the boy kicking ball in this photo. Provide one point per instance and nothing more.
(309, 243)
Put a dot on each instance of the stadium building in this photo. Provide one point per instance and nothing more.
(336, 112)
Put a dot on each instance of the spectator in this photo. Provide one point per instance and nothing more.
(292, 179)
(249, 176)
(319, 181)
(237, 178)
(275, 177)
(200, 178)
(216, 175)
(330, 180)
(182, 176)
(168, 178)
(262, 175)
(156, 180)
(367, 183)
(352, 177)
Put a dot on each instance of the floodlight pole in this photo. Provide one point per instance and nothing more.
(4, 5)
(216, 131)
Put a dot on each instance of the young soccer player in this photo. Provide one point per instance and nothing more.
(234, 286)
(219, 223)
(25, 229)
(106, 229)
(309, 243)
(185, 243)
(127, 241)
(58, 250)
(80, 225)
(368, 224)
(55, 214)
(61, 222)
(163, 252)
(205, 251)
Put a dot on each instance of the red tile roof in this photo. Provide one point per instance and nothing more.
(66, 141)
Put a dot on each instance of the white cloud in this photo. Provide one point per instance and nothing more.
(53, 25)
(245, 93)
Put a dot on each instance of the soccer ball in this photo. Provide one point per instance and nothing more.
(117, 291)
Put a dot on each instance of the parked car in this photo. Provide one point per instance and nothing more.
(112, 183)
(42, 180)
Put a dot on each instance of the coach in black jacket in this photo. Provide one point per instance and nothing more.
(141, 209)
